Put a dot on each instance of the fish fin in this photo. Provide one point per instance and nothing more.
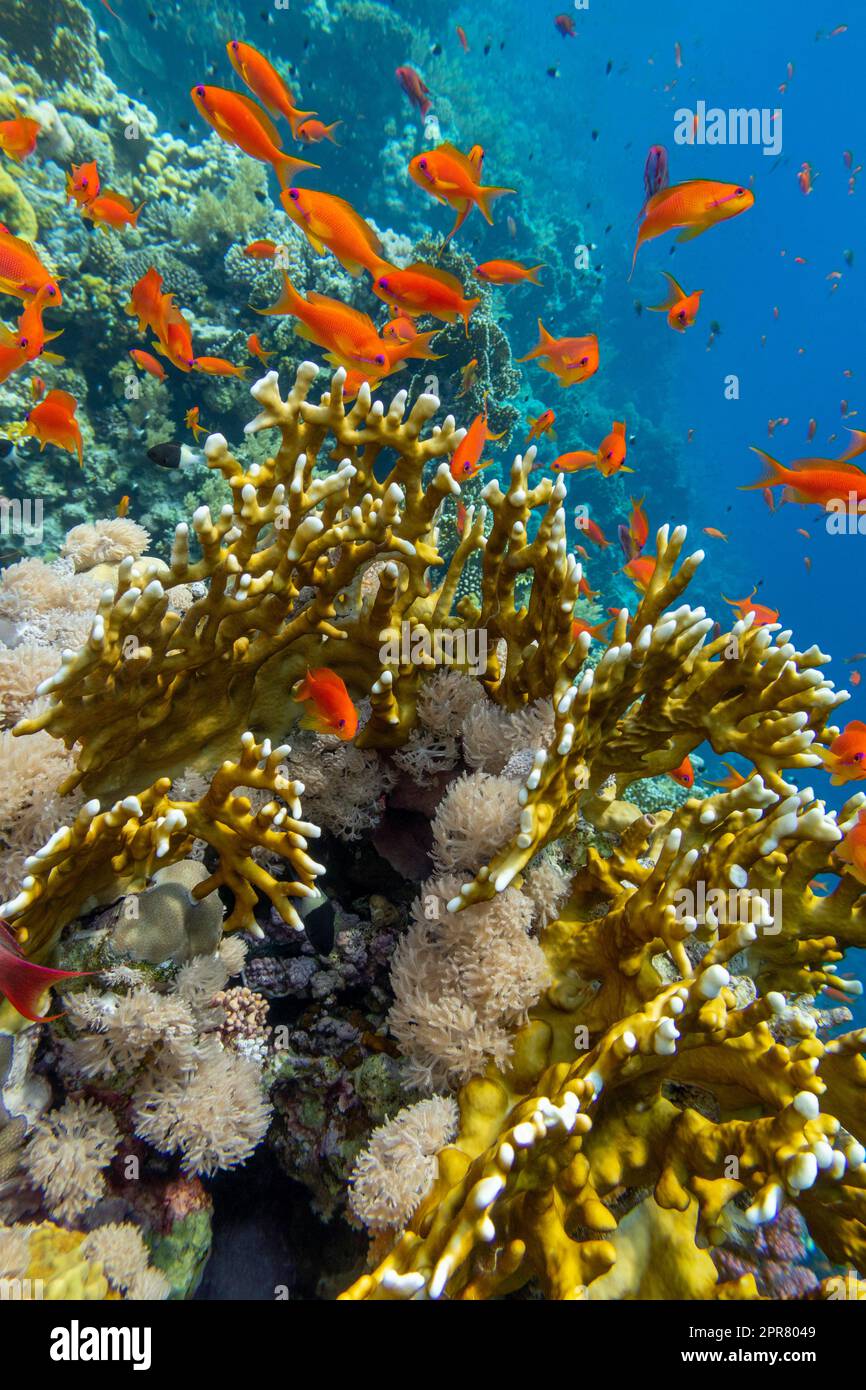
(485, 196)
(434, 272)
(774, 472)
(286, 166)
(532, 275)
(287, 302)
(624, 468)
(544, 341)
(856, 447)
(674, 295)
(53, 357)
(462, 214)
(329, 132)
(689, 233)
(619, 428)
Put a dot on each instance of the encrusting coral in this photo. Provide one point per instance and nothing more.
(632, 1028)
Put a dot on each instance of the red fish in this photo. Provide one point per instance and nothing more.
(21, 271)
(695, 206)
(255, 349)
(452, 177)
(332, 711)
(820, 481)
(24, 982)
(464, 42)
(505, 272)
(640, 571)
(733, 780)
(565, 24)
(852, 850)
(638, 526)
(425, 289)
(110, 209)
(579, 625)
(415, 88)
(82, 183)
(261, 250)
(217, 366)
(593, 532)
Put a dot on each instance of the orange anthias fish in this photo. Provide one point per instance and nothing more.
(332, 711)
(110, 209)
(174, 338)
(425, 289)
(640, 571)
(147, 303)
(684, 774)
(122, 507)
(255, 349)
(217, 366)
(744, 606)
(312, 131)
(148, 363)
(504, 272)
(24, 983)
(348, 335)
(821, 481)
(468, 377)
(733, 780)
(638, 525)
(265, 83)
(579, 625)
(593, 532)
(571, 359)
(541, 424)
(609, 458)
(239, 122)
(83, 183)
(403, 328)
(53, 421)
(191, 420)
(845, 759)
(37, 388)
(450, 177)
(465, 463)
(261, 250)
(612, 451)
(21, 271)
(852, 850)
(18, 137)
(328, 221)
(681, 308)
(32, 335)
(695, 206)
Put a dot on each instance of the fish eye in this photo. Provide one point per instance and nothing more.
(200, 91)
(23, 342)
(294, 194)
(235, 45)
(342, 723)
(584, 361)
(380, 359)
(383, 282)
(422, 163)
(740, 193)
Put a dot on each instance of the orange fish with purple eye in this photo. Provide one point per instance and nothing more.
(640, 571)
(744, 606)
(684, 775)
(21, 271)
(265, 83)
(451, 177)
(505, 272)
(82, 183)
(112, 210)
(466, 462)
(331, 709)
(312, 131)
(255, 349)
(681, 308)
(570, 359)
(541, 424)
(191, 420)
(694, 206)
(845, 759)
(239, 122)
(263, 250)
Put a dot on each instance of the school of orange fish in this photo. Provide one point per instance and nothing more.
(350, 339)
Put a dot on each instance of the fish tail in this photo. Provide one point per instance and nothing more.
(674, 295)
(287, 166)
(544, 338)
(532, 273)
(485, 196)
(329, 132)
(773, 475)
(856, 447)
(288, 303)
(297, 118)
(466, 312)
(135, 216)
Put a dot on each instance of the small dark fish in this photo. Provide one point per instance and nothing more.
(594, 134)
(436, 49)
(553, 72)
(172, 455)
(609, 69)
(487, 48)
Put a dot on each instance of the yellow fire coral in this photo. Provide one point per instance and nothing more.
(106, 852)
